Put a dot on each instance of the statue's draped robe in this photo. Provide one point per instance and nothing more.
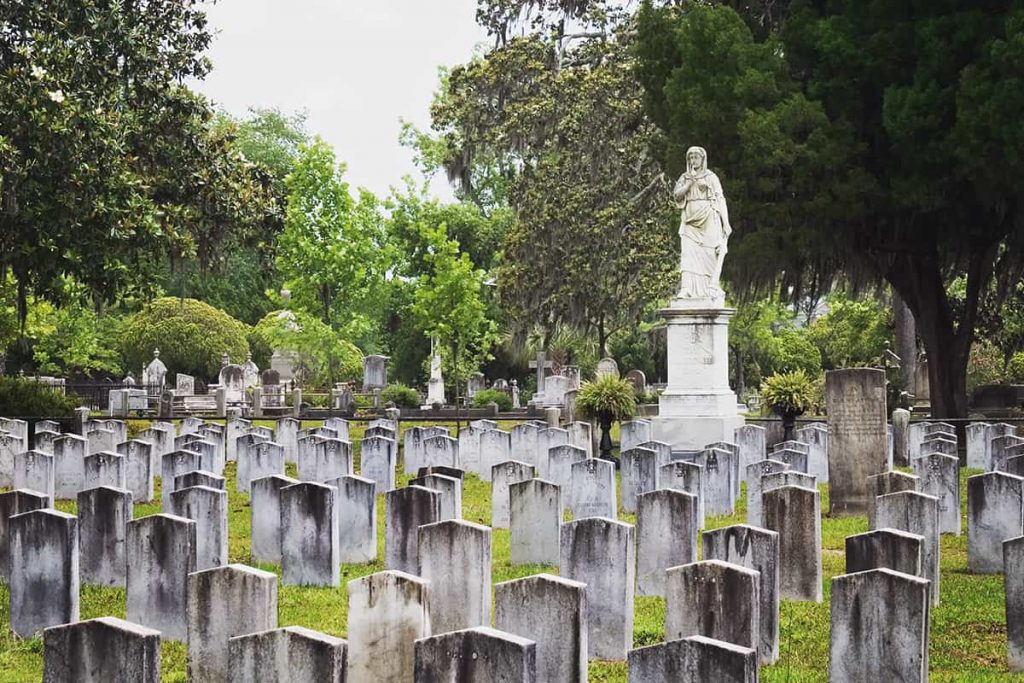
(704, 230)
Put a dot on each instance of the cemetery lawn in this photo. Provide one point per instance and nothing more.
(968, 632)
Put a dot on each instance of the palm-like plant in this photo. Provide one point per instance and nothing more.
(608, 399)
(789, 395)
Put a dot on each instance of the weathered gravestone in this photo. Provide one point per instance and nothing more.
(885, 548)
(633, 433)
(161, 552)
(504, 475)
(309, 535)
(879, 627)
(787, 478)
(915, 513)
(44, 570)
(378, 457)
(639, 474)
(755, 473)
(995, 513)
(714, 599)
(225, 602)
(101, 650)
(581, 435)
(208, 508)
(198, 478)
(413, 446)
(601, 553)
(139, 473)
(495, 447)
(450, 490)
(696, 659)
(663, 515)
(999, 448)
(405, 510)
(687, 477)
(476, 655)
(940, 477)
(357, 510)
(12, 503)
(663, 450)
(900, 435)
(888, 482)
(455, 556)
(103, 516)
(535, 518)
(593, 489)
(856, 435)
(717, 481)
(104, 469)
(440, 451)
(752, 441)
(387, 612)
(523, 438)
(551, 611)
(286, 433)
(287, 655)
(559, 462)
(69, 465)
(265, 517)
(1013, 574)
(324, 459)
(758, 550)
(546, 440)
(33, 470)
(795, 513)
(816, 438)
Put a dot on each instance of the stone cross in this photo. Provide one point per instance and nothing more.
(541, 364)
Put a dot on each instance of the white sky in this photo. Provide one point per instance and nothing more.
(355, 66)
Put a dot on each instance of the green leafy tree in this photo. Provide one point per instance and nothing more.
(269, 137)
(191, 336)
(449, 304)
(107, 162)
(75, 340)
(323, 356)
(331, 251)
(909, 176)
(852, 333)
(559, 118)
(765, 340)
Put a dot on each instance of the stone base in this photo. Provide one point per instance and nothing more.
(697, 407)
(694, 433)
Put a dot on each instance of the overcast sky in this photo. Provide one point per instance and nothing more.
(355, 66)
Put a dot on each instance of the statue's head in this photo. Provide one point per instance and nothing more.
(696, 159)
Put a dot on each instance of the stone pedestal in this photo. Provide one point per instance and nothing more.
(697, 407)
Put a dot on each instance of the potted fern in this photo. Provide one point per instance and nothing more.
(789, 395)
(607, 399)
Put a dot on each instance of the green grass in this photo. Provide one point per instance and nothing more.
(968, 632)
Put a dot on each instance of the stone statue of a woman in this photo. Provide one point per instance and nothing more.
(704, 229)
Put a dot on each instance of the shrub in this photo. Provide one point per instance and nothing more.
(190, 334)
(789, 392)
(607, 398)
(482, 398)
(401, 395)
(28, 398)
(323, 356)
(985, 365)
(1015, 370)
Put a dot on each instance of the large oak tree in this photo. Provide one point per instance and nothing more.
(867, 140)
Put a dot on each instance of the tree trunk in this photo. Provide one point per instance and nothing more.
(906, 342)
(602, 339)
(919, 281)
(741, 375)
